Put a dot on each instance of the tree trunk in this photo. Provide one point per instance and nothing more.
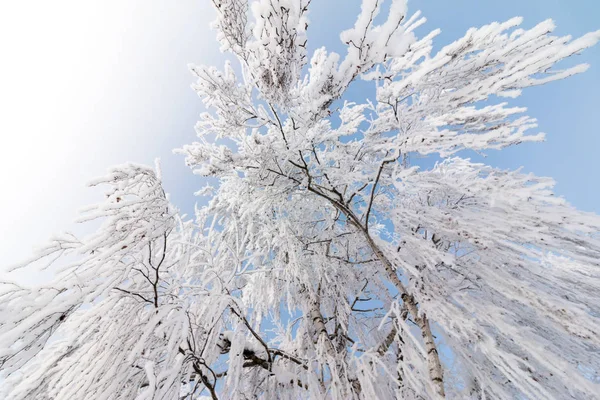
(322, 334)
(436, 373)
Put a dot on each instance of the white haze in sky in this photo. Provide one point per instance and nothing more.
(86, 85)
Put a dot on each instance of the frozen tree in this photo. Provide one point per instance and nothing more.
(326, 265)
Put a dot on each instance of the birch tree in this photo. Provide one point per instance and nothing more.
(326, 264)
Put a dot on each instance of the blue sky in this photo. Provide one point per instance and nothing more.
(87, 85)
(567, 111)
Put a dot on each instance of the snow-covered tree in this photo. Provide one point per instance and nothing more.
(326, 265)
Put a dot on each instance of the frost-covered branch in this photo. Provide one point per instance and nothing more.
(326, 265)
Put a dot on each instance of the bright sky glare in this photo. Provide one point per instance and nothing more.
(86, 85)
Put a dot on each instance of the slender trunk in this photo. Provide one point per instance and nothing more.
(323, 335)
(434, 365)
(433, 358)
(433, 361)
(387, 342)
(385, 345)
(320, 329)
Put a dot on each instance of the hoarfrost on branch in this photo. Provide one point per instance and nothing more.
(326, 265)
